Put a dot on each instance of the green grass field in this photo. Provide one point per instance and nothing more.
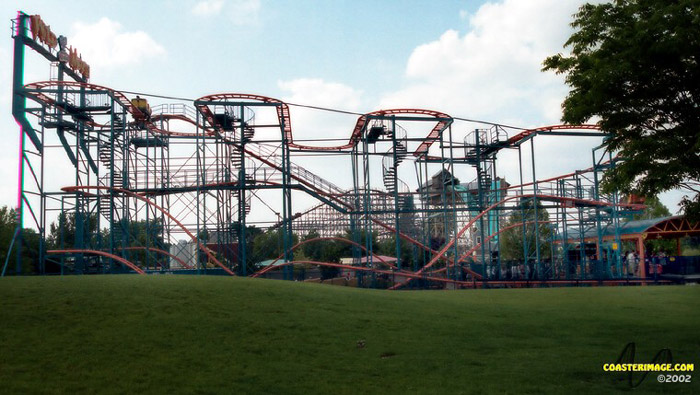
(175, 334)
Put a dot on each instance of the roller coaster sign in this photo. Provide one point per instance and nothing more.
(43, 33)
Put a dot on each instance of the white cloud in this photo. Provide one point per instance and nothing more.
(8, 162)
(315, 124)
(5, 78)
(245, 12)
(207, 7)
(493, 70)
(9, 129)
(239, 12)
(104, 44)
(309, 123)
(316, 91)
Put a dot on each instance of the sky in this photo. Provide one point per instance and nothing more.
(473, 59)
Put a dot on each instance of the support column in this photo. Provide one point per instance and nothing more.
(242, 242)
(642, 253)
(286, 206)
(397, 199)
(19, 105)
(538, 264)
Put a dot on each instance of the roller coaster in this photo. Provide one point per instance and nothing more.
(193, 174)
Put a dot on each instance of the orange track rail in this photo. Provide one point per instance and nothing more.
(160, 252)
(379, 258)
(149, 202)
(461, 232)
(96, 252)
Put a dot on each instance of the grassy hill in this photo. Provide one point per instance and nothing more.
(179, 334)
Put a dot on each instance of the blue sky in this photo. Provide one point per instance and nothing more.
(250, 45)
(472, 59)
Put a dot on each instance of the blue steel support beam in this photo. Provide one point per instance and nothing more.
(88, 157)
(19, 100)
(19, 106)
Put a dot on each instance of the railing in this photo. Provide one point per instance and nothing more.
(392, 159)
(100, 100)
(174, 109)
(387, 166)
(315, 181)
(498, 134)
(475, 138)
(190, 178)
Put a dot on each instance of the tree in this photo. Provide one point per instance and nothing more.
(71, 227)
(360, 237)
(324, 251)
(63, 232)
(387, 246)
(654, 209)
(512, 246)
(332, 251)
(270, 245)
(634, 66)
(251, 233)
(144, 233)
(30, 244)
(313, 250)
(8, 226)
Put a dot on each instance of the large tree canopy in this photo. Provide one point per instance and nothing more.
(634, 67)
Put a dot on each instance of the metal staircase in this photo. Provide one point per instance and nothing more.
(480, 147)
(484, 176)
(248, 133)
(268, 155)
(237, 166)
(391, 162)
(112, 160)
(113, 165)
